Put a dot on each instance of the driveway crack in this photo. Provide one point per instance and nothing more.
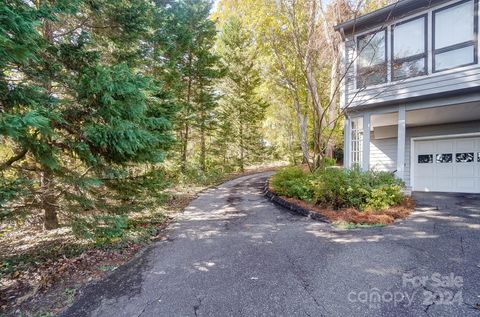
(305, 284)
(197, 306)
(433, 302)
(146, 306)
(461, 247)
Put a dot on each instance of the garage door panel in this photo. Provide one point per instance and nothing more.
(425, 147)
(444, 183)
(444, 146)
(464, 170)
(426, 172)
(455, 166)
(464, 145)
(465, 184)
(445, 170)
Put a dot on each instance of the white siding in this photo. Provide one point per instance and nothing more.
(349, 70)
(383, 154)
(435, 130)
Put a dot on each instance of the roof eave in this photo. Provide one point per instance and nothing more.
(396, 9)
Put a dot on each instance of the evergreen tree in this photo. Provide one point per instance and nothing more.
(242, 109)
(75, 114)
(184, 44)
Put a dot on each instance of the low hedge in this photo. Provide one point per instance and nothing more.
(340, 188)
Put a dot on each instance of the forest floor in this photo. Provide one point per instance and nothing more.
(41, 271)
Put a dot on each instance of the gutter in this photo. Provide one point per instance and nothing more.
(399, 8)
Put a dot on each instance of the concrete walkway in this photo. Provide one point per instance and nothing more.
(233, 253)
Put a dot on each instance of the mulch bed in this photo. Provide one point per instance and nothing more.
(353, 216)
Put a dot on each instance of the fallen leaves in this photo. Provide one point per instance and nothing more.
(60, 274)
(354, 216)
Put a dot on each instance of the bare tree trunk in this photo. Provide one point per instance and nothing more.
(185, 147)
(203, 147)
(302, 120)
(333, 104)
(48, 197)
(242, 151)
(48, 201)
(333, 107)
(318, 118)
(187, 125)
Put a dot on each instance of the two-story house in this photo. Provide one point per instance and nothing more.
(411, 94)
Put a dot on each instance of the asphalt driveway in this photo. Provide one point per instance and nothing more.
(234, 253)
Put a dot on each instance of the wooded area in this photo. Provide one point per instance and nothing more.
(105, 102)
(106, 105)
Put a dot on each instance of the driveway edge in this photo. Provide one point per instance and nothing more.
(279, 201)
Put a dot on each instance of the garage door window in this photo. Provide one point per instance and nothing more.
(465, 157)
(444, 158)
(425, 158)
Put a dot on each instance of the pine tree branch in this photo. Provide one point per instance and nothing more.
(13, 159)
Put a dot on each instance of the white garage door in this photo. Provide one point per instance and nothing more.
(447, 165)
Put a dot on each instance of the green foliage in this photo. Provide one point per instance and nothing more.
(292, 182)
(75, 105)
(11, 190)
(189, 67)
(242, 109)
(383, 197)
(103, 229)
(328, 162)
(339, 188)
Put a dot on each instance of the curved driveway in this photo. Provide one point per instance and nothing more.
(233, 253)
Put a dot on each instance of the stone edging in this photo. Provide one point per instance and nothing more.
(292, 207)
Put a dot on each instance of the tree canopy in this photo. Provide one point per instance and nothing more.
(105, 102)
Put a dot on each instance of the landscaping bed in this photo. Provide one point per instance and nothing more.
(347, 198)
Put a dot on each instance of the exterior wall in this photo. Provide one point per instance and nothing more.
(439, 83)
(444, 82)
(435, 130)
(383, 154)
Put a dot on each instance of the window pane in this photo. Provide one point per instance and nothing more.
(478, 157)
(371, 76)
(357, 123)
(455, 58)
(409, 38)
(464, 157)
(444, 158)
(371, 49)
(428, 158)
(409, 69)
(454, 25)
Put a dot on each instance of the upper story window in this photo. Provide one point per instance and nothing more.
(455, 40)
(441, 39)
(409, 48)
(372, 59)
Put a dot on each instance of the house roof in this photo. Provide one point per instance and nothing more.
(392, 11)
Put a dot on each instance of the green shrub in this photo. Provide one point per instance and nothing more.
(341, 188)
(383, 197)
(102, 229)
(292, 182)
(328, 162)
